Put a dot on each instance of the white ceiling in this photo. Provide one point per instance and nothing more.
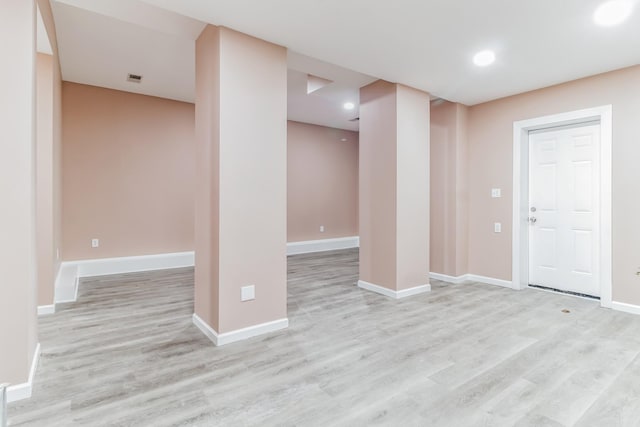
(102, 41)
(428, 44)
(325, 105)
(101, 46)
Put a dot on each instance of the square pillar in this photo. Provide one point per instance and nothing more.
(240, 228)
(394, 189)
(449, 190)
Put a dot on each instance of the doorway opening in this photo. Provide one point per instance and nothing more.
(562, 202)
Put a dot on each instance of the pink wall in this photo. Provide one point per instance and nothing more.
(18, 291)
(253, 179)
(412, 197)
(207, 196)
(490, 165)
(48, 162)
(127, 155)
(449, 192)
(322, 182)
(128, 173)
(378, 183)
(394, 186)
(46, 245)
(241, 121)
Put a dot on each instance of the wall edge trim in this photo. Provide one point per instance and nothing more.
(473, 278)
(24, 390)
(403, 293)
(625, 307)
(204, 327)
(447, 278)
(239, 334)
(490, 281)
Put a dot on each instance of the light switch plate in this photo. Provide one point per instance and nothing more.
(248, 293)
(497, 227)
(496, 192)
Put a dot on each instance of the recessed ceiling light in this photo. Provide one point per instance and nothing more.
(612, 12)
(349, 105)
(484, 58)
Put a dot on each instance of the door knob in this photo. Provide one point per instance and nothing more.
(532, 219)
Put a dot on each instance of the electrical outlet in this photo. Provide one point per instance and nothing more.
(496, 192)
(322, 228)
(95, 243)
(248, 293)
(497, 227)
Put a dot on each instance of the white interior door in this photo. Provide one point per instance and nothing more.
(564, 200)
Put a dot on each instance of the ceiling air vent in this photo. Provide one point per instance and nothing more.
(136, 78)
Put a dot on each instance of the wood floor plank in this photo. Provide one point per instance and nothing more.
(127, 354)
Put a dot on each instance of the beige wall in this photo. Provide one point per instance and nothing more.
(412, 197)
(241, 122)
(127, 156)
(50, 189)
(394, 186)
(18, 282)
(378, 184)
(57, 137)
(449, 192)
(45, 180)
(490, 165)
(253, 179)
(207, 197)
(128, 173)
(322, 182)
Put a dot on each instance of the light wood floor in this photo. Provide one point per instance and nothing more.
(126, 354)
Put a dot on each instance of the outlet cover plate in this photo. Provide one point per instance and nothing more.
(248, 293)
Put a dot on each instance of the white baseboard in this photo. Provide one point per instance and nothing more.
(489, 281)
(71, 271)
(403, 293)
(240, 334)
(447, 278)
(472, 278)
(132, 264)
(627, 308)
(309, 246)
(66, 289)
(23, 391)
(43, 310)
(205, 328)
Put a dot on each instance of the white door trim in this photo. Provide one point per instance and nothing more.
(520, 244)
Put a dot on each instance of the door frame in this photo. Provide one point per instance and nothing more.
(520, 230)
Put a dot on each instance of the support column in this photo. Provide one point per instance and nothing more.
(18, 294)
(394, 189)
(241, 131)
(449, 191)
